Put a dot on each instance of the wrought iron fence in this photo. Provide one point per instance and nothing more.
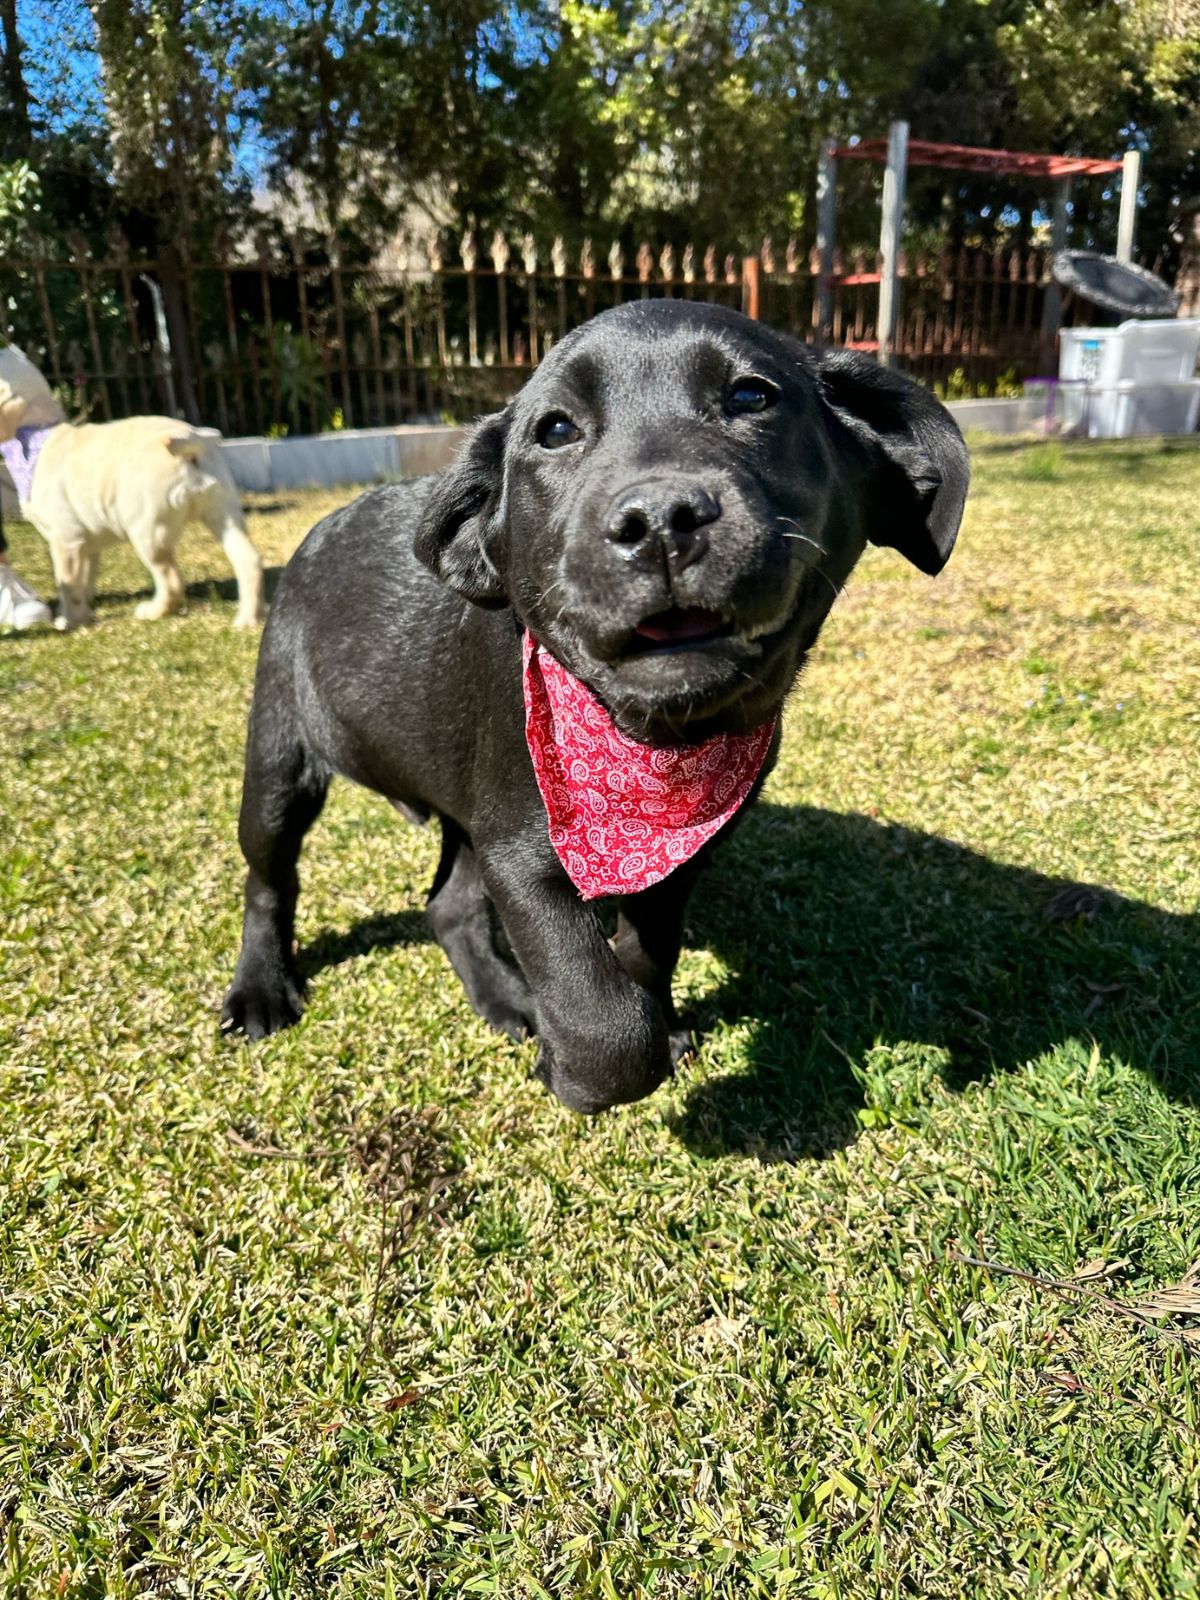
(260, 343)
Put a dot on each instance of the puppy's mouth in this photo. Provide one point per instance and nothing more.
(679, 628)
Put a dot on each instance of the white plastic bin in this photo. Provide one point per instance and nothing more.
(1124, 409)
(1162, 350)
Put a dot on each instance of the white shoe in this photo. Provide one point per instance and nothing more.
(19, 606)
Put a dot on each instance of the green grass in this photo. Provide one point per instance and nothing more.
(362, 1312)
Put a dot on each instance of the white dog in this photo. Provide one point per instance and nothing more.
(93, 484)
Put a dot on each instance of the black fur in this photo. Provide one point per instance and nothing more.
(392, 654)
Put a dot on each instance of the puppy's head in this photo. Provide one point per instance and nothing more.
(673, 501)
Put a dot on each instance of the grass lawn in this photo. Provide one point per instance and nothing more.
(361, 1311)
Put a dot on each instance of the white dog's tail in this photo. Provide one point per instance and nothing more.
(203, 470)
(192, 445)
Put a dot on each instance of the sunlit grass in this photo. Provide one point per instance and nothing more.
(362, 1311)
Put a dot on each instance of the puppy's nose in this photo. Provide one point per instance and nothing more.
(670, 519)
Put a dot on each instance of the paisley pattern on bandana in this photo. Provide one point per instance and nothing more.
(624, 815)
(20, 456)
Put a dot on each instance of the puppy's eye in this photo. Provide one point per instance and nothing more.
(555, 431)
(749, 394)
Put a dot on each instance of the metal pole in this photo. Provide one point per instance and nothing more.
(889, 238)
(1131, 172)
(1052, 304)
(164, 341)
(826, 232)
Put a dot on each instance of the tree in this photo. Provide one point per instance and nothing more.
(1098, 78)
(169, 99)
(692, 119)
(309, 69)
(16, 124)
(702, 118)
(468, 111)
(718, 106)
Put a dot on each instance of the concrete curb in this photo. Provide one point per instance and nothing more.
(356, 455)
(998, 416)
(364, 455)
(322, 460)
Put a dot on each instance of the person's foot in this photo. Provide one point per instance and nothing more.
(19, 606)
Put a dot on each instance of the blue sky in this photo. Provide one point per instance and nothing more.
(60, 69)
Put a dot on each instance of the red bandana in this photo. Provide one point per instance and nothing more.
(622, 814)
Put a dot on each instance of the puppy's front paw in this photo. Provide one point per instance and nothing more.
(594, 1069)
(249, 620)
(258, 1008)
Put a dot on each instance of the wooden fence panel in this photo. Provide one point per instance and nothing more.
(298, 343)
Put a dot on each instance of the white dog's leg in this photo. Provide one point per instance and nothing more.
(91, 570)
(228, 525)
(168, 588)
(73, 566)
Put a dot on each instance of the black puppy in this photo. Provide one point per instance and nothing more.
(669, 508)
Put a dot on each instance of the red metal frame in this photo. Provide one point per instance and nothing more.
(971, 158)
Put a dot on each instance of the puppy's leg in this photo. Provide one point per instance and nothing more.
(649, 937)
(72, 567)
(282, 798)
(603, 1038)
(458, 909)
(158, 552)
(226, 523)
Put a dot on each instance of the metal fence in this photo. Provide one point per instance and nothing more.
(262, 344)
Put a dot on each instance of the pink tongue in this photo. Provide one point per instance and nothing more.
(671, 625)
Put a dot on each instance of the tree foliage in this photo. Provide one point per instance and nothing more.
(169, 93)
(686, 118)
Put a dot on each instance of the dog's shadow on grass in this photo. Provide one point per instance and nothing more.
(210, 589)
(227, 589)
(330, 949)
(839, 931)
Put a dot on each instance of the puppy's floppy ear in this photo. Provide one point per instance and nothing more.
(916, 462)
(453, 535)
